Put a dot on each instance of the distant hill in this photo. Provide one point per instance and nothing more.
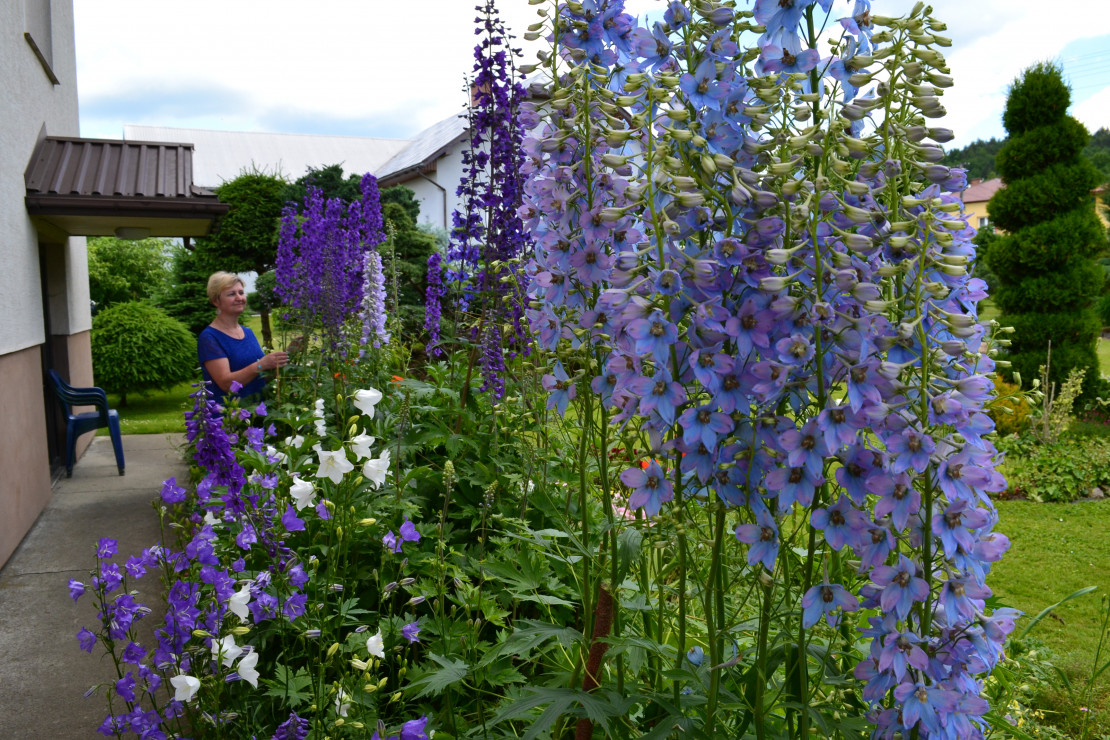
(978, 156)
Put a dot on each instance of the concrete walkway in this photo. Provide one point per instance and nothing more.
(43, 672)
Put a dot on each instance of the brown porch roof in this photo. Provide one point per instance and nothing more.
(91, 187)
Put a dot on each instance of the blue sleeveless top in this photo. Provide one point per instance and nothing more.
(213, 344)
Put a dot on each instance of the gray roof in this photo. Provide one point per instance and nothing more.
(422, 152)
(219, 156)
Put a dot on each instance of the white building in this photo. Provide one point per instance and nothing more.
(430, 164)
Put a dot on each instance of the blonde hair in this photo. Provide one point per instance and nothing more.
(220, 281)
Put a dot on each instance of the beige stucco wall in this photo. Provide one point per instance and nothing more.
(26, 486)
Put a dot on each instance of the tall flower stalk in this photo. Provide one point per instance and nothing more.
(758, 267)
(488, 235)
(321, 266)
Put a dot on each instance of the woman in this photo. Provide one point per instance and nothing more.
(229, 351)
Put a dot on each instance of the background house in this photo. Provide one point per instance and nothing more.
(976, 197)
(430, 164)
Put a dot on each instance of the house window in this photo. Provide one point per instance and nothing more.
(984, 222)
(38, 31)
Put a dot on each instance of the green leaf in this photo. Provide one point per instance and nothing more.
(528, 636)
(289, 686)
(628, 550)
(540, 598)
(434, 682)
(596, 708)
(1048, 609)
(502, 675)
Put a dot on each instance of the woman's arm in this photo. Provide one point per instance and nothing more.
(222, 374)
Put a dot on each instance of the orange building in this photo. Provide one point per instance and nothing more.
(976, 197)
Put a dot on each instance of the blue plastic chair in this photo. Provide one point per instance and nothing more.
(78, 424)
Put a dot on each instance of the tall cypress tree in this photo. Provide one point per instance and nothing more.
(1047, 278)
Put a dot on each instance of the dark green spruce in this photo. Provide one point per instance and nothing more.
(1047, 279)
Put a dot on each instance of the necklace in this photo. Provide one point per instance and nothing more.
(235, 331)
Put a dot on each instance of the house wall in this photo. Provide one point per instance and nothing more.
(449, 171)
(975, 211)
(23, 457)
(29, 103)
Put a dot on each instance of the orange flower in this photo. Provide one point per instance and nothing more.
(397, 378)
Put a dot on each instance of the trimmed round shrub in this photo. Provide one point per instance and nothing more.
(1046, 246)
(1073, 337)
(264, 298)
(137, 347)
(1069, 288)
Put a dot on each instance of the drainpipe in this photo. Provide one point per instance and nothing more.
(442, 190)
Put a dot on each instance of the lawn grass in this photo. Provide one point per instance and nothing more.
(1103, 351)
(1056, 549)
(987, 311)
(153, 412)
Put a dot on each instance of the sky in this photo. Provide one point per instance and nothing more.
(385, 68)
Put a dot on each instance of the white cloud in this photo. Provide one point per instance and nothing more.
(367, 61)
(352, 59)
(992, 42)
(1094, 112)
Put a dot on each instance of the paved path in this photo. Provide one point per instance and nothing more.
(43, 672)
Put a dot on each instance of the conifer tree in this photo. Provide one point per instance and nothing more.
(1047, 277)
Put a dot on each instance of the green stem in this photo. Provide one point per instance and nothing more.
(761, 661)
(714, 617)
(681, 586)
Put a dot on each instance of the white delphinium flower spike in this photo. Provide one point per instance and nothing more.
(333, 465)
(360, 445)
(226, 650)
(302, 493)
(237, 603)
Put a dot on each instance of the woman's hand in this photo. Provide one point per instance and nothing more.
(274, 360)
